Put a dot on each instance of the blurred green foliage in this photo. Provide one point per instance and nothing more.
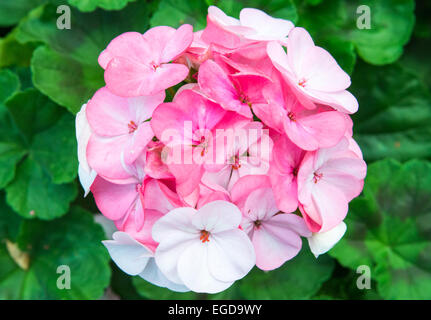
(46, 74)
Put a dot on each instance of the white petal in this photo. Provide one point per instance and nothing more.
(175, 223)
(267, 27)
(129, 255)
(175, 233)
(193, 270)
(83, 132)
(217, 216)
(169, 252)
(153, 275)
(230, 255)
(222, 18)
(86, 178)
(322, 242)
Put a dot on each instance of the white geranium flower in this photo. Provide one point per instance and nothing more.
(203, 249)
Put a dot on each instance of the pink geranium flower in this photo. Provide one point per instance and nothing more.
(121, 130)
(328, 179)
(245, 150)
(237, 92)
(138, 64)
(321, 127)
(252, 25)
(276, 236)
(312, 73)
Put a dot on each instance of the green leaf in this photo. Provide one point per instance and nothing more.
(91, 5)
(10, 222)
(12, 11)
(333, 22)
(55, 149)
(389, 229)
(72, 241)
(66, 70)
(173, 13)
(150, 291)
(33, 112)
(9, 84)
(32, 193)
(47, 136)
(392, 23)
(299, 278)
(14, 53)
(394, 113)
(10, 151)
(66, 81)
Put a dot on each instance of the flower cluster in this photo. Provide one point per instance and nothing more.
(253, 151)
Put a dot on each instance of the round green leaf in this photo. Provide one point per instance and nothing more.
(389, 229)
(394, 113)
(72, 241)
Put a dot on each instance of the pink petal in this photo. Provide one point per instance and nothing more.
(114, 200)
(129, 44)
(215, 83)
(178, 43)
(277, 240)
(126, 78)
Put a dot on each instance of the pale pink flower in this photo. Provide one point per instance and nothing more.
(328, 179)
(252, 25)
(321, 127)
(241, 151)
(312, 73)
(138, 64)
(276, 236)
(121, 130)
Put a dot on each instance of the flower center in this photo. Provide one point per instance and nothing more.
(295, 172)
(154, 66)
(236, 163)
(317, 176)
(205, 235)
(302, 82)
(203, 144)
(244, 99)
(132, 126)
(257, 224)
(291, 116)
